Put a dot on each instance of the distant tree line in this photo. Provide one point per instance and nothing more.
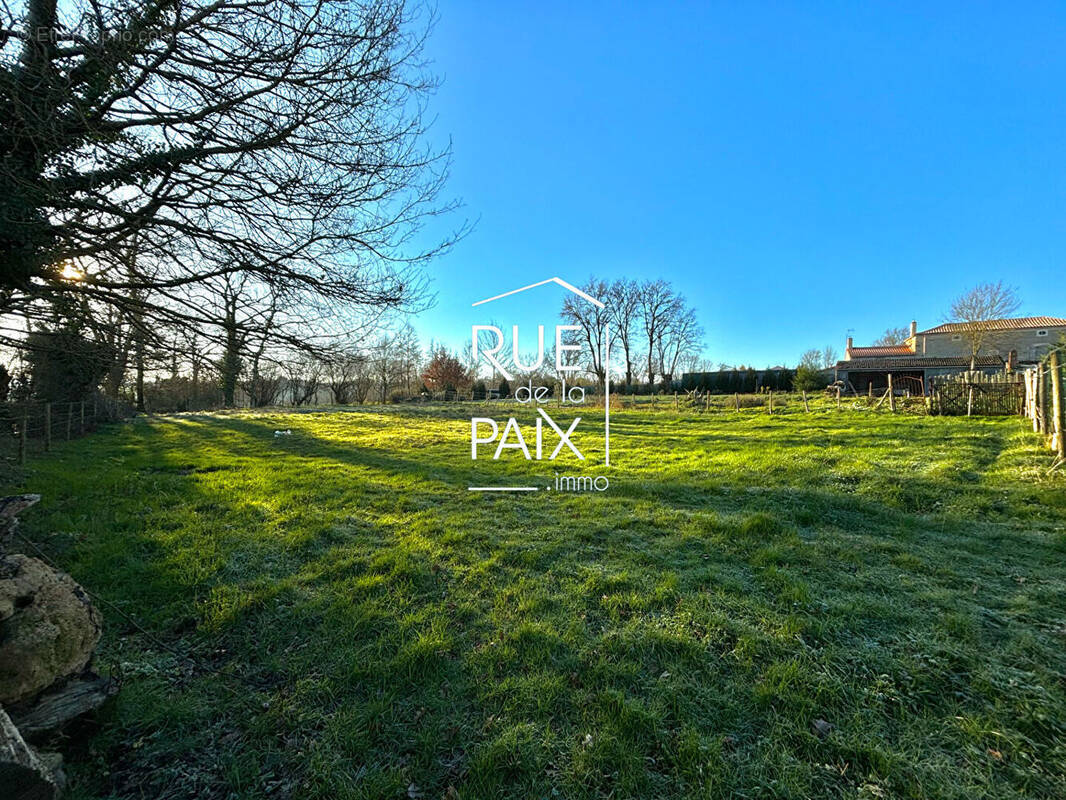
(654, 333)
(739, 381)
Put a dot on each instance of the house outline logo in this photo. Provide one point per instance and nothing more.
(568, 286)
(606, 341)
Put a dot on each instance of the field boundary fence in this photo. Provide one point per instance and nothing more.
(32, 427)
(1044, 400)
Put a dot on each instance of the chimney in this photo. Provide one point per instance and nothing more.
(914, 328)
(847, 351)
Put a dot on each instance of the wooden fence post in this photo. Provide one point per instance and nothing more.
(1056, 404)
(47, 427)
(82, 432)
(1041, 398)
(676, 409)
(1034, 405)
(736, 399)
(805, 404)
(771, 405)
(870, 387)
(969, 402)
(891, 394)
(838, 398)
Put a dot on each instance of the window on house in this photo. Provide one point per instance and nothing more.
(956, 337)
(1041, 333)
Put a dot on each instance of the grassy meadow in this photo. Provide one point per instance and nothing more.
(835, 604)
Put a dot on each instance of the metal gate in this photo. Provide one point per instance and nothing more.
(978, 397)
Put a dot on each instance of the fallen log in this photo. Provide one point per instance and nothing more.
(10, 508)
(54, 709)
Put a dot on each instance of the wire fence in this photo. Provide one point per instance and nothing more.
(31, 427)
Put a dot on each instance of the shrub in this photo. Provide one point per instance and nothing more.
(446, 373)
(808, 379)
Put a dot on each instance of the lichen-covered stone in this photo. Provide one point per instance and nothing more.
(48, 627)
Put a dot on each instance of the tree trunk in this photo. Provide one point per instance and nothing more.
(195, 401)
(231, 361)
(139, 363)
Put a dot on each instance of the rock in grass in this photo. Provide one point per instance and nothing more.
(48, 627)
(821, 728)
(26, 774)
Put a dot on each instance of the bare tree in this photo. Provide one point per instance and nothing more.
(408, 355)
(811, 359)
(622, 309)
(555, 360)
(278, 141)
(681, 337)
(198, 363)
(656, 304)
(384, 364)
(263, 383)
(304, 375)
(892, 336)
(829, 356)
(348, 376)
(237, 310)
(977, 309)
(591, 319)
(362, 378)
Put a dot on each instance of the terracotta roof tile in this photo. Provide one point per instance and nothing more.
(1021, 323)
(882, 350)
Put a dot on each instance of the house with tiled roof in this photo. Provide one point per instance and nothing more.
(946, 350)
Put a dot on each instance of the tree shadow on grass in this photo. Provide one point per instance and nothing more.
(415, 634)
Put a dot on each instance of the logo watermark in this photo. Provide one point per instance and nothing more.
(542, 437)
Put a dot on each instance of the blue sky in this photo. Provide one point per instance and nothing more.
(795, 169)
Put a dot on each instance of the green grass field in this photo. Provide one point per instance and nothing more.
(343, 619)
